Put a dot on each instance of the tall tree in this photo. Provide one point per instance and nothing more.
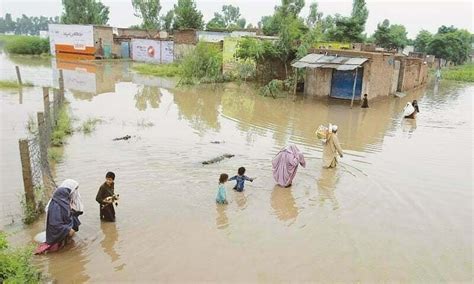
(351, 29)
(149, 12)
(229, 19)
(187, 15)
(453, 45)
(314, 16)
(422, 40)
(85, 12)
(167, 21)
(390, 36)
(360, 12)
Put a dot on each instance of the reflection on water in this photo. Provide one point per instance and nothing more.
(109, 241)
(222, 221)
(326, 187)
(168, 219)
(283, 204)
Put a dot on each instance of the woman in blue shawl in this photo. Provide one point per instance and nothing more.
(62, 216)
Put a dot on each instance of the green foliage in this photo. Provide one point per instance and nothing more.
(390, 36)
(314, 16)
(15, 264)
(63, 127)
(149, 12)
(359, 13)
(11, 84)
(451, 45)
(89, 125)
(55, 154)
(167, 21)
(245, 70)
(86, 12)
(25, 45)
(309, 39)
(187, 16)
(275, 88)
(422, 41)
(26, 25)
(346, 29)
(255, 49)
(203, 64)
(464, 73)
(160, 70)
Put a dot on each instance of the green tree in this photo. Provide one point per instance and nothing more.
(422, 40)
(167, 21)
(229, 19)
(390, 36)
(350, 29)
(187, 15)
(359, 12)
(86, 12)
(453, 45)
(149, 12)
(314, 16)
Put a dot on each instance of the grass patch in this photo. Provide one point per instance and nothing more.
(17, 44)
(462, 73)
(55, 154)
(15, 264)
(13, 84)
(88, 126)
(63, 127)
(160, 70)
(144, 123)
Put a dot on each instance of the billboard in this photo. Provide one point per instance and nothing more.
(79, 37)
(152, 51)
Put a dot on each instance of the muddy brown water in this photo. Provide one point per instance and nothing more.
(399, 207)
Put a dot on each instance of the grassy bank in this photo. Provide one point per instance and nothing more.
(463, 73)
(162, 70)
(63, 127)
(15, 264)
(17, 44)
(12, 84)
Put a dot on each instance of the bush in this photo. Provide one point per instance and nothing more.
(63, 127)
(275, 88)
(12, 84)
(26, 45)
(203, 64)
(15, 264)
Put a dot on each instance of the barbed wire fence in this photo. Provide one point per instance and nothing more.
(38, 180)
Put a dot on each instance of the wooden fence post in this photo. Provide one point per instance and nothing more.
(27, 174)
(47, 115)
(55, 107)
(18, 76)
(61, 85)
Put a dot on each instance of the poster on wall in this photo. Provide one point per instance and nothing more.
(78, 36)
(167, 52)
(146, 50)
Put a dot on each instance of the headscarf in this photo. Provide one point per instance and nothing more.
(74, 196)
(296, 153)
(334, 128)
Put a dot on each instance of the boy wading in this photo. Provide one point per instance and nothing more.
(107, 211)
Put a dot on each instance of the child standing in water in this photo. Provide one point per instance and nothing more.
(221, 195)
(105, 198)
(240, 179)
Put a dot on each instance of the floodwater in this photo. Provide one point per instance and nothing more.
(398, 208)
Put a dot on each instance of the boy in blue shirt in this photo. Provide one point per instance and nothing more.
(240, 179)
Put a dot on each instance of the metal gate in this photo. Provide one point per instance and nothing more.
(125, 49)
(342, 84)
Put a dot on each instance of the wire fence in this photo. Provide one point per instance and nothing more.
(38, 179)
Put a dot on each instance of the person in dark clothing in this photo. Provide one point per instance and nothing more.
(106, 198)
(415, 105)
(365, 102)
(240, 179)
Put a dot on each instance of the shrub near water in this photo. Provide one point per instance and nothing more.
(63, 127)
(15, 266)
(203, 64)
(26, 45)
(464, 73)
(161, 70)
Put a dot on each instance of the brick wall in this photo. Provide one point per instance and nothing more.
(185, 37)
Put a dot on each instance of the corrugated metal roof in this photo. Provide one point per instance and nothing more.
(329, 61)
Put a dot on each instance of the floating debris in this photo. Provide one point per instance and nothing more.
(126, 137)
(218, 159)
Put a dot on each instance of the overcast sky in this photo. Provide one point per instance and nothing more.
(414, 15)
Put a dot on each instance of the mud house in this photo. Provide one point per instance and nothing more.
(123, 38)
(348, 74)
(80, 41)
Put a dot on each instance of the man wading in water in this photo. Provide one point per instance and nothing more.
(331, 148)
(105, 198)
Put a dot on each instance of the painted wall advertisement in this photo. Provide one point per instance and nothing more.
(153, 51)
(77, 36)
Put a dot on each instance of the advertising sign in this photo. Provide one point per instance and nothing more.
(146, 50)
(78, 36)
